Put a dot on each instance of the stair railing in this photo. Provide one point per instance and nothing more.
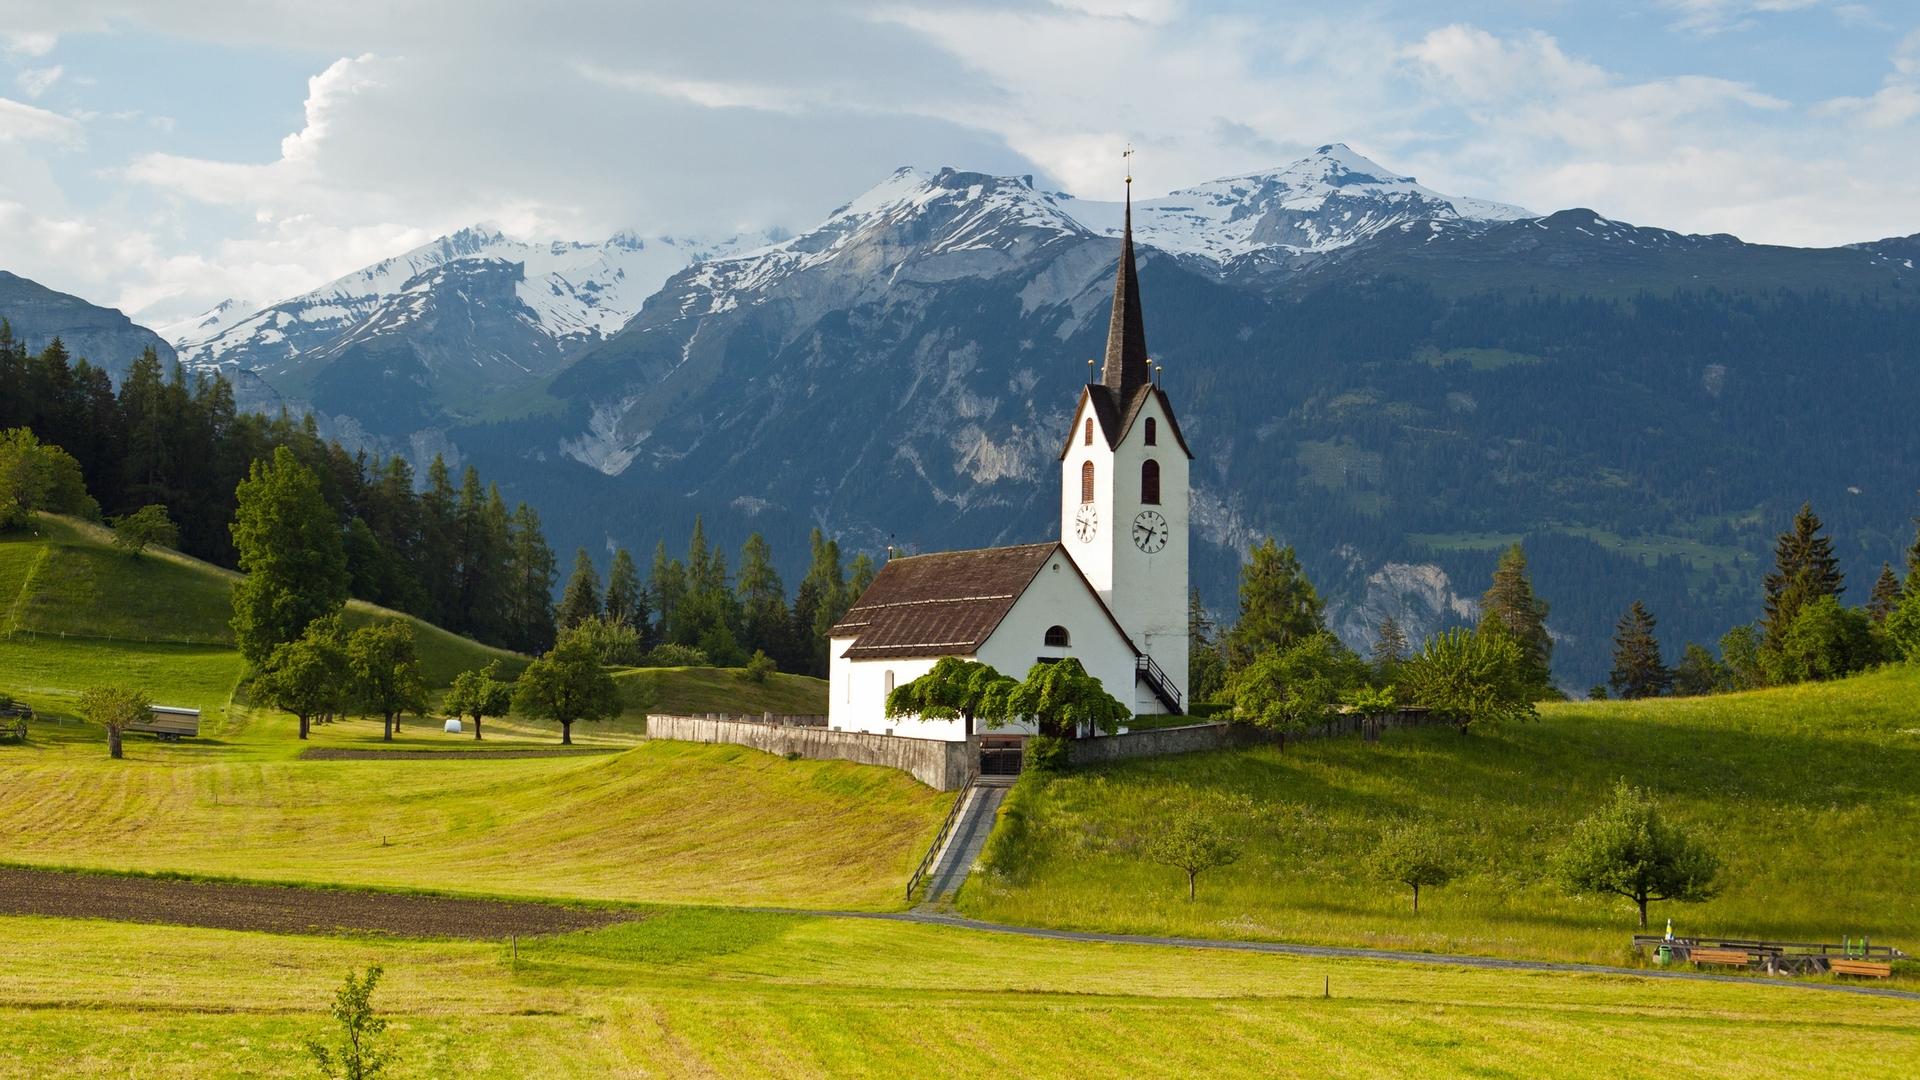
(946, 829)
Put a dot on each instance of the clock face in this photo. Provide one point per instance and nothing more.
(1086, 523)
(1149, 531)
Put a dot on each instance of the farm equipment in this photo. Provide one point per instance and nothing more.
(1850, 957)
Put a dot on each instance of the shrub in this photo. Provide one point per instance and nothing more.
(761, 667)
(1903, 627)
(356, 1055)
(1824, 641)
(1045, 753)
(612, 640)
(672, 655)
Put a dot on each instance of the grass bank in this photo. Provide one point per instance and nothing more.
(1811, 795)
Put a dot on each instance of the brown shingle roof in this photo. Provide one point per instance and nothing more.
(1116, 417)
(940, 605)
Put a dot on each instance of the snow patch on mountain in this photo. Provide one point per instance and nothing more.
(1328, 200)
(208, 323)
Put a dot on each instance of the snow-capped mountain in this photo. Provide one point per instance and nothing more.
(570, 293)
(208, 323)
(1329, 200)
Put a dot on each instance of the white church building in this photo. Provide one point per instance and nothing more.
(1111, 592)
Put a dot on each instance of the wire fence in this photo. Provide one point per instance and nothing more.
(166, 639)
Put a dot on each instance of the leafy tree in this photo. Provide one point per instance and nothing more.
(1415, 855)
(1292, 689)
(306, 676)
(1062, 699)
(760, 668)
(671, 654)
(1628, 848)
(1206, 668)
(290, 551)
(146, 526)
(1826, 641)
(956, 689)
(1740, 655)
(1903, 627)
(1372, 704)
(1471, 678)
(1510, 607)
(115, 708)
(1389, 646)
(1698, 673)
(385, 672)
(1192, 840)
(1278, 605)
(613, 641)
(626, 599)
(1805, 570)
(1638, 670)
(1886, 594)
(581, 600)
(566, 685)
(356, 1054)
(35, 476)
(721, 647)
(479, 693)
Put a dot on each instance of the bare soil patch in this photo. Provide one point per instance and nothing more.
(285, 909)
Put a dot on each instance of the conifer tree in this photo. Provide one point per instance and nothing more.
(1913, 560)
(290, 551)
(439, 547)
(626, 600)
(1390, 646)
(763, 599)
(530, 588)
(1886, 594)
(1805, 570)
(1511, 608)
(830, 594)
(581, 599)
(1279, 607)
(668, 584)
(1698, 673)
(1638, 670)
(859, 575)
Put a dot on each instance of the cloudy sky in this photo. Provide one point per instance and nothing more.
(159, 155)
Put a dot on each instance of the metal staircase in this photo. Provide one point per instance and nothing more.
(1145, 670)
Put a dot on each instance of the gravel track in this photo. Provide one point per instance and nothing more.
(343, 753)
(285, 909)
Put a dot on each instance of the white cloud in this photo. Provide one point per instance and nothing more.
(34, 82)
(1719, 16)
(20, 121)
(31, 43)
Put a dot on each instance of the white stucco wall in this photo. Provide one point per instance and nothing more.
(1146, 592)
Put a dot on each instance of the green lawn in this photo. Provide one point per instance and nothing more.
(1811, 795)
(709, 689)
(717, 994)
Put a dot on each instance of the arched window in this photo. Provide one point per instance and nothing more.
(1057, 637)
(1088, 441)
(1086, 481)
(1153, 432)
(1150, 482)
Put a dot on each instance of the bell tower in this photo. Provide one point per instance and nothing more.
(1124, 497)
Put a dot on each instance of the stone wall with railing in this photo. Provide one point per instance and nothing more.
(937, 763)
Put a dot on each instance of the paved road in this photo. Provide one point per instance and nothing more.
(1337, 952)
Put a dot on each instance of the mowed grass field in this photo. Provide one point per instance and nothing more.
(706, 993)
(1811, 795)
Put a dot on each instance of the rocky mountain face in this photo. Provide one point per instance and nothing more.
(103, 336)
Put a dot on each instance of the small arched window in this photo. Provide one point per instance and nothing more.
(1153, 432)
(1150, 482)
(1088, 440)
(1086, 481)
(1057, 637)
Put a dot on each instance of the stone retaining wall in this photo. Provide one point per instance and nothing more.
(937, 763)
(1195, 738)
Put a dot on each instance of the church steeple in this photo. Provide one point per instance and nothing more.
(1127, 368)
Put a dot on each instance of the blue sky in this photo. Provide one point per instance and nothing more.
(162, 155)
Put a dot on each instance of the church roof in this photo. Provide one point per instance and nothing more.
(946, 604)
(1127, 367)
(1116, 418)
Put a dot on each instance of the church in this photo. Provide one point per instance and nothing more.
(1111, 592)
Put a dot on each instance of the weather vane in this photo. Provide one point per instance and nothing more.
(1126, 156)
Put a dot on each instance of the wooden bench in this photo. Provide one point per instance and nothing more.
(1731, 957)
(1866, 969)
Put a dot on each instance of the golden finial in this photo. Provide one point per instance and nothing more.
(1126, 156)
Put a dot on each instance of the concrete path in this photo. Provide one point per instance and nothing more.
(965, 843)
(1338, 952)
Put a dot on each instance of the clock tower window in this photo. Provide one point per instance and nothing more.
(1150, 482)
(1086, 481)
(1153, 432)
(1088, 440)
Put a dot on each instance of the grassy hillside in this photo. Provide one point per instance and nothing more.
(664, 821)
(708, 689)
(701, 993)
(1810, 794)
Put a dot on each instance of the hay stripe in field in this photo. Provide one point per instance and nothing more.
(285, 909)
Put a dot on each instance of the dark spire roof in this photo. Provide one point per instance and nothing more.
(1127, 368)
